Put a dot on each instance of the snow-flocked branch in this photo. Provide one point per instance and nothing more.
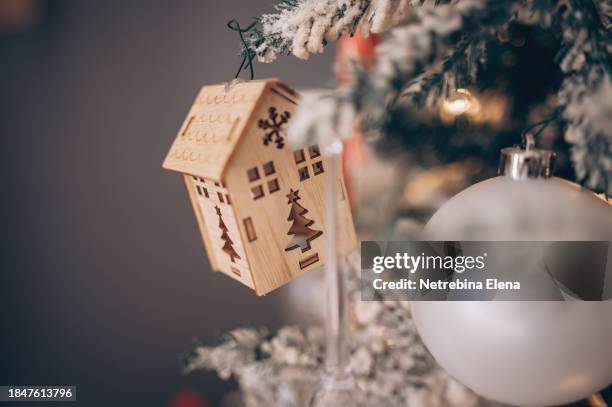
(390, 362)
(304, 27)
(415, 61)
(410, 65)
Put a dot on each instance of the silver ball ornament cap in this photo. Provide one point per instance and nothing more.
(520, 164)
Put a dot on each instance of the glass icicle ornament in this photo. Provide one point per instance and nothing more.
(522, 353)
(337, 387)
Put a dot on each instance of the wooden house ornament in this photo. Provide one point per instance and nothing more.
(260, 206)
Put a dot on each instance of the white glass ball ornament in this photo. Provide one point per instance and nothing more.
(522, 353)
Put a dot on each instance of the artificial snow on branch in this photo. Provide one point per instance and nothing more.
(586, 92)
(389, 361)
(304, 27)
(416, 61)
(410, 66)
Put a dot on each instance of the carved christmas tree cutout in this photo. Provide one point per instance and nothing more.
(274, 124)
(228, 244)
(300, 228)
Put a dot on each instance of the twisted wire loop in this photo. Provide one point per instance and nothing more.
(528, 138)
(248, 54)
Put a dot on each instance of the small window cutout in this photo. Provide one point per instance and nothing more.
(253, 174)
(235, 272)
(227, 200)
(299, 156)
(317, 168)
(202, 180)
(199, 190)
(250, 229)
(205, 192)
(257, 192)
(303, 173)
(195, 178)
(269, 168)
(273, 185)
(220, 196)
(216, 183)
(314, 151)
(308, 261)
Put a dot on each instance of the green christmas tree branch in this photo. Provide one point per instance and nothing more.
(416, 59)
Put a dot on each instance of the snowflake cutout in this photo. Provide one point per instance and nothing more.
(274, 126)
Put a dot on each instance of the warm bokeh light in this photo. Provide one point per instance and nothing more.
(489, 107)
(457, 102)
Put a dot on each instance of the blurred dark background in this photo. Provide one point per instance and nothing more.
(104, 280)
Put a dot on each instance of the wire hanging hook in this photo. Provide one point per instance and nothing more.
(247, 53)
(529, 139)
